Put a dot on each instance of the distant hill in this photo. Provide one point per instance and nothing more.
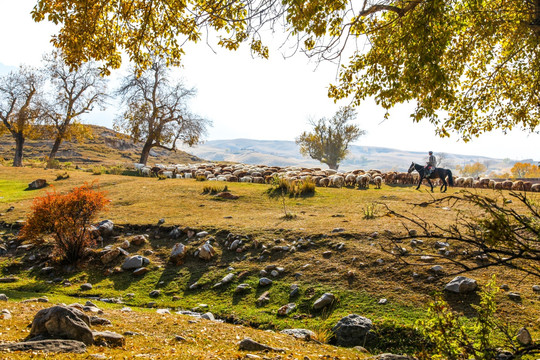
(286, 153)
(107, 147)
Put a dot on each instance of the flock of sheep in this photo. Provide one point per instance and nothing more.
(326, 178)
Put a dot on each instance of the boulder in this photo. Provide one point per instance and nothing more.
(206, 252)
(86, 287)
(61, 322)
(286, 309)
(178, 253)
(140, 271)
(263, 299)
(3, 297)
(265, 281)
(242, 289)
(5, 314)
(138, 240)
(524, 337)
(110, 256)
(461, 284)
(226, 279)
(299, 333)
(55, 345)
(135, 262)
(108, 338)
(324, 300)
(251, 345)
(37, 184)
(352, 330)
(105, 228)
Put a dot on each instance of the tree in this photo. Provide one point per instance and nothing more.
(67, 217)
(156, 111)
(453, 58)
(525, 170)
(330, 138)
(474, 170)
(74, 92)
(19, 107)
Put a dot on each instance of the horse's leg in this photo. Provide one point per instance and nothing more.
(443, 185)
(420, 182)
(430, 184)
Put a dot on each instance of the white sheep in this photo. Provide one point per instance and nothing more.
(378, 182)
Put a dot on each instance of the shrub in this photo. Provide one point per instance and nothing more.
(200, 178)
(62, 176)
(298, 188)
(214, 189)
(98, 170)
(116, 170)
(67, 218)
(370, 211)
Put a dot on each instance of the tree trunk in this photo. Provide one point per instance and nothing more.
(54, 150)
(146, 151)
(333, 166)
(19, 142)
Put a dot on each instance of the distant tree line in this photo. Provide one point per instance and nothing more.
(49, 102)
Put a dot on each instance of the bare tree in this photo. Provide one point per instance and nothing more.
(156, 111)
(19, 108)
(329, 140)
(74, 91)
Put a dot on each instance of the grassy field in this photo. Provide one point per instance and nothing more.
(352, 274)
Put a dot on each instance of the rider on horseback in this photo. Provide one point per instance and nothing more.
(432, 162)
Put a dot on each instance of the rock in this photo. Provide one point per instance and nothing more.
(265, 281)
(437, 269)
(352, 330)
(125, 244)
(105, 228)
(163, 311)
(388, 356)
(208, 316)
(338, 230)
(3, 297)
(295, 290)
(426, 258)
(251, 345)
(536, 288)
(161, 221)
(524, 337)
(274, 273)
(227, 195)
(10, 279)
(504, 287)
(206, 252)
(226, 279)
(130, 333)
(55, 346)
(413, 232)
(440, 245)
(178, 253)
(62, 322)
(134, 262)
(138, 240)
(242, 289)
(324, 300)
(286, 309)
(154, 293)
(514, 296)
(110, 256)
(234, 245)
(141, 271)
(303, 334)
(461, 284)
(5, 314)
(327, 254)
(94, 320)
(175, 233)
(263, 299)
(86, 287)
(108, 338)
(202, 234)
(179, 338)
(37, 184)
(382, 301)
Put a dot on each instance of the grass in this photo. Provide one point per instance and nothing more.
(352, 274)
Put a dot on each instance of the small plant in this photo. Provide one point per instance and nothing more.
(62, 176)
(214, 189)
(67, 218)
(54, 164)
(200, 178)
(98, 170)
(370, 211)
(322, 334)
(296, 188)
(161, 177)
(288, 216)
(116, 170)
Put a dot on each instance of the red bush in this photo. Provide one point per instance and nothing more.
(67, 218)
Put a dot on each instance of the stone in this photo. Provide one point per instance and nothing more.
(413, 232)
(208, 316)
(48, 346)
(105, 228)
(108, 338)
(202, 234)
(226, 279)
(141, 271)
(286, 309)
(303, 334)
(175, 233)
(125, 244)
(161, 221)
(154, 293)
(234, 245)
(206, 252)
(461, 285)
(242, 289)
(86, 287)
(382, 301)
(3, 297)
(388, 356)
(536, 288)
(437, 269)
(62, 322)
(265, 281)
(274, 273)
(95, 320)
(440, 245)
(324, 300)
(504, 287)
(110, 256)
(295, 290)
(163, 311)
(178, 253)
(138, 240)
(514, 296)
(5, 314)
(352, 330)
(263, 299)
(251, 345)
(10, 279)
(338, 230)
(327, 254)
(426, 258)
(37, 184)
(524, 337)
(134, 262)
(179, 338)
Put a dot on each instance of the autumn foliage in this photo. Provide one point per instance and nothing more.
(525, 170)
(67, 218)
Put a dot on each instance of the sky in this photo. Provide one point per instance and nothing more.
(273, 99)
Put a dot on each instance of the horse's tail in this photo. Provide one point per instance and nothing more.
(450, 178)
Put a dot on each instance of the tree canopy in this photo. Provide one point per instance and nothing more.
(469, 66)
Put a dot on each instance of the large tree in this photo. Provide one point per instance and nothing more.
(329, 139)
(156, 111)
(73, 92)
(470, 66)
(19, 107)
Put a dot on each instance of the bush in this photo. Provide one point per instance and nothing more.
(62, 176)
(67, 218)
(297, 188)
(116, 170)
(200, 178)
(214, 189)
(98, 170)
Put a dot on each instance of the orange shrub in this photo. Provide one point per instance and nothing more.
(67, 219)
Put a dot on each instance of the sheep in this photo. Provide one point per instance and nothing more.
(535, 187)
(146, 171)
(484, 182)
(378, 182)
(491, 184)
(468, 182)
(350, 179)
(517, 185)
(246, 179)
(507, 185)
(459, 181)
(258, 180)
(527, 186)
(498, 186)
(324, 182)
(363, 181)
(337, 181)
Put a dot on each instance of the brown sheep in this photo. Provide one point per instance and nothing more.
(527, 186)
(507, 185)
(498, 186)
(517, 185)
(535, 188)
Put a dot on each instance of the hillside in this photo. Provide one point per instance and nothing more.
(106, 147)
(286, 153)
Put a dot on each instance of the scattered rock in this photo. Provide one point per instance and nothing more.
(179, 338)
(327, 254)
(295, 290)
(178, 253)
(352, 330)
(242, 289)
(286, 309)
(62, 322)
(206, 252)
(263, 299)
(141, 271)
(514, 296)
(55, 346)
(388, 356)
(135, 262)
(163, 311)
(138, 240)
(413, 232)
(265, 281)
(536, 288)
(5, 314)
(161, 221)
(251, 345)
(299, 333)
(105, 228)
(154, 293)
(382, 301)
(108, 338)
(110, 256)
(3, 297)
(461, 284)
(437, 269)
(202, 234)
(504, 287)
(226, 279)
(86, 287)
(37, 184)
(208, 316)
(94, 320)
(125, 244)
(427, 258)
(324, 300)
(338, 230)
(9, 279)
(524, 337)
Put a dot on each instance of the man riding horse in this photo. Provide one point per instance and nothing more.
(431, 164)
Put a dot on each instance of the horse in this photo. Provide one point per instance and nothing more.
(437, 173)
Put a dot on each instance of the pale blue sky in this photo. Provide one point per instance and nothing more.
(264, 99)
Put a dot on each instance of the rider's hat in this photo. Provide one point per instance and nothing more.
(431, 152)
